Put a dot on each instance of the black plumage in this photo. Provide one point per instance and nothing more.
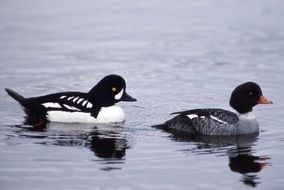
(108, 91)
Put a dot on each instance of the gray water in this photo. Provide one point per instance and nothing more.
(174, 55)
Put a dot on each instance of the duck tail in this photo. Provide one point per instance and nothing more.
(16, 96)
(160, 126)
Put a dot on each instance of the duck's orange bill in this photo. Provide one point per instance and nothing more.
(264, 100)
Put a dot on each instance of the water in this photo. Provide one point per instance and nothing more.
(175, 55)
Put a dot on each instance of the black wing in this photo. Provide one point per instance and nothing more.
(67, 101)
(220, 115)
(205, 121)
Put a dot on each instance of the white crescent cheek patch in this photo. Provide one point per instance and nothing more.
(119, 95)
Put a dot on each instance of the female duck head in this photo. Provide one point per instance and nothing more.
(246, 96)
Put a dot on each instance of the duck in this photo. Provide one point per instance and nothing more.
(216, 121)
(95, 106)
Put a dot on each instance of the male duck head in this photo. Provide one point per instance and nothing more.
(246, 96)
(110, 90)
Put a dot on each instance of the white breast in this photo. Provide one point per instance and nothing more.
(247, 124)
(112, 114)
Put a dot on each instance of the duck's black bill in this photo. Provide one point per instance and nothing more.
(127, 98)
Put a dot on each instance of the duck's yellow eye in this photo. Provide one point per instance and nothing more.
(113, 89)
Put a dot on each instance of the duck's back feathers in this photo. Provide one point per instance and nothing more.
(68, 102)
(210, 121)
(38, 108)
(221, 115)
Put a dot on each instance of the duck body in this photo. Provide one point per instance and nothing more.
(213, 121)
(95, 106)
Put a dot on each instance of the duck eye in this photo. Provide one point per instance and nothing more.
(113, 89)
(250, 93)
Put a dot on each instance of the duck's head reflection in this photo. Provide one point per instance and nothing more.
(239, 150)
(107, 144)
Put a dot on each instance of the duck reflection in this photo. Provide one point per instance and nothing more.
(239, 150)
(242, 161)
(106, 141)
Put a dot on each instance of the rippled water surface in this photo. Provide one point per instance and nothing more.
(174, 55)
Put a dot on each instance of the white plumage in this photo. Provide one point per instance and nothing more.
(112, 114)
(191, 116)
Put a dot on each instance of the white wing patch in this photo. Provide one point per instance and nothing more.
(219, 120)
(191, 116)
(65, 105)
(75, 99)
(89, 105)
(119, 95)
(71, 108)
(80, 100)
(70, 98)
(85, 102)
(62, 97)
(51, 105)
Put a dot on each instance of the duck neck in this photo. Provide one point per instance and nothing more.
(247, 115)
(247, 123)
